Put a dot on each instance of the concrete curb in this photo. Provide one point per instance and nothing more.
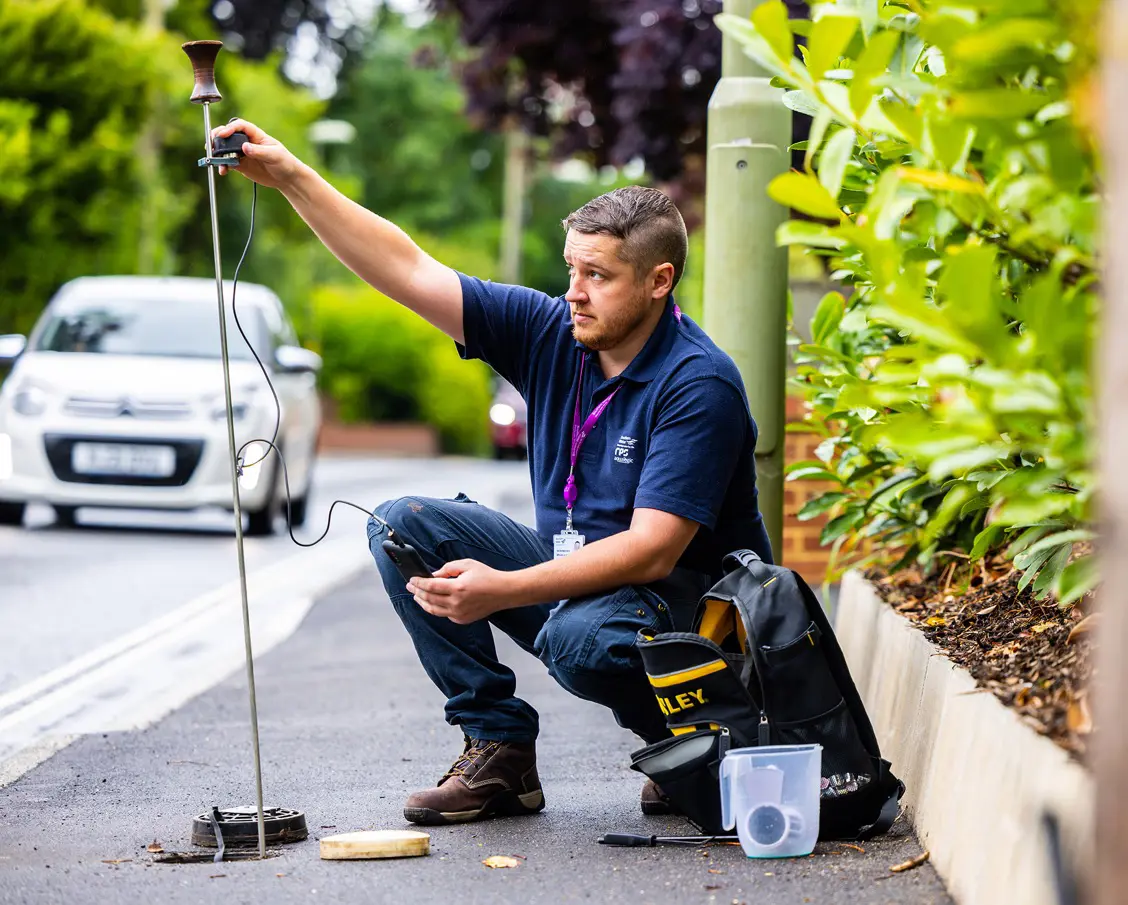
(978, 779)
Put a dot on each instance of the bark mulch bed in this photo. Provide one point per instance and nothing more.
(1032, 655)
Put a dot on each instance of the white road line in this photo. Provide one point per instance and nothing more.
(30, 758)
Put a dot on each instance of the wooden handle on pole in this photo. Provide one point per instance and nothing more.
(203, 54)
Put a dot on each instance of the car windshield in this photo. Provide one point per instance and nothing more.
(146, 327)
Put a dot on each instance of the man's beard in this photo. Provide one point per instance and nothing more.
(613, 328)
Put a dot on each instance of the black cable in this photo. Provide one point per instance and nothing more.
(272, 442)
(239, 327)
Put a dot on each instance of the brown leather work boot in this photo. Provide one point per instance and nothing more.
(654, 801)
(490, 779)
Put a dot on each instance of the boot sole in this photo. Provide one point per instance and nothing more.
(504, 804)
(656, 808)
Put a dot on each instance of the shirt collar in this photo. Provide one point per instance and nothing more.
(645, 365)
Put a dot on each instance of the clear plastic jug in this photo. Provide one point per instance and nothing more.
(771, 796)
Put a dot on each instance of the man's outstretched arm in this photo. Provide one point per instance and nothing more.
(375, 249)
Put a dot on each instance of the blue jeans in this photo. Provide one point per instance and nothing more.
(587, 643)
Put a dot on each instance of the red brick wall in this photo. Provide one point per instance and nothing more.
(801, 550)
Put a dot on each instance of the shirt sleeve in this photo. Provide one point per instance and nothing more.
(694, 449)
(503, 325)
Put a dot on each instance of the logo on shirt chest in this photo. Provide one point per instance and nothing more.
(625, 450)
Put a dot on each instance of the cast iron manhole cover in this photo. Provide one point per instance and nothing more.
(240, 827)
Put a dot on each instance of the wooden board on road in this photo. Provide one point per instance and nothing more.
(375, 844)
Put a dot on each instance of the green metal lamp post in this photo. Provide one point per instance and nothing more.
(749, 130)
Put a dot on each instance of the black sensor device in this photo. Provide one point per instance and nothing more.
(407, 560)
(231, 145)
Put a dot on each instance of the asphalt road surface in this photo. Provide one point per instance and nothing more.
(124, 709)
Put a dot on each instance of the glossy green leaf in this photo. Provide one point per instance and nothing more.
(755, 45)
(832, 162)
(804, 232)
(819, 124)
(804, 193)
(802, 101)
(840, 526)
(1059, 538)
(873, 61)
(820, 505)
(827, 315)
(1030, 566)
(812, 473)
(827, 42)
(964, 460)
(1050, 573)
(985, 540)
(771, 21)
(1076, 580)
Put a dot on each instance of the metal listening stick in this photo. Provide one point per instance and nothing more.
(203, 55)
(276, 824)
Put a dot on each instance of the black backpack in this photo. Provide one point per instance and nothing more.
(762, 667)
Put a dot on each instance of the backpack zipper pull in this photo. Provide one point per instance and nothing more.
(765, 730)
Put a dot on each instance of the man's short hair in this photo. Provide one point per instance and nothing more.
(647, 222)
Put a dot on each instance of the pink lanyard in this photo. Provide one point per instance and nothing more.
(580, 431)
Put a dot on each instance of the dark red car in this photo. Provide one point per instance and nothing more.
(508, 418)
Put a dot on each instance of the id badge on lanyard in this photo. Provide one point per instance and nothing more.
(569, 540)
(565, 542)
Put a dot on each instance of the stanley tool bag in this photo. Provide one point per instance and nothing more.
(762, 667)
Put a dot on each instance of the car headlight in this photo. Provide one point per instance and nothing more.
(242, 402)
(238, 411)
(5, 457)
(503, 414)
(255, 456)
(30, 400)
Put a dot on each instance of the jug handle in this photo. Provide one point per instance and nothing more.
(728, 818)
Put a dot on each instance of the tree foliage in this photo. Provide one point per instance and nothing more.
(612, 79)
(950, 163)
(417, 159)
(74, 199)
(67, 167)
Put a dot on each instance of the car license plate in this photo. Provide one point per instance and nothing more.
(138, 460)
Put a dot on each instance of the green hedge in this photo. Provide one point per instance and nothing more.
(384, 363)
(77, 87)
(955, 181)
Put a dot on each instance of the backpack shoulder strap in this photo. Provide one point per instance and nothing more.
(889, 808)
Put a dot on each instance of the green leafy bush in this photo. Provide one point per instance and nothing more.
(950, 167)
(78, 88)
(384, 363)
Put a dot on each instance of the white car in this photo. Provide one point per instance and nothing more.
(116, 400)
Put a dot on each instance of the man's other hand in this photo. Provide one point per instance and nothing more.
(463, 591)
(266, 160)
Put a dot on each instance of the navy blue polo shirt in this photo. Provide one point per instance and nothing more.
(678, 436)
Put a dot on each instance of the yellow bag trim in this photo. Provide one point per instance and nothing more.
(688, 675)
(719, 621)
(686, 730)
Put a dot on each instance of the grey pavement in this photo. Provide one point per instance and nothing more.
(349, 725)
